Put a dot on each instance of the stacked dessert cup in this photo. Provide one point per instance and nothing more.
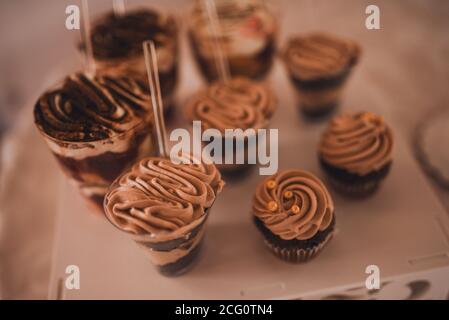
(248, 37)
(117, 47)
(96, 127)
(240, 104)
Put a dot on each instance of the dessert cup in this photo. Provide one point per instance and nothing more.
(241, 105)
(164, 208)
(356, 153)
(248, 38)
(319, 65)
(95, 128)
(117, 47)
(295, 214)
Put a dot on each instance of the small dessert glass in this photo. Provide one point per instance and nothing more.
(93, 166)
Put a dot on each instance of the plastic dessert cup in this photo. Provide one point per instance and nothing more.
(164, 208)
(93, 148)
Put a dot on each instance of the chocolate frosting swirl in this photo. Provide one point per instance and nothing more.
(159, 197)
(359, 143)
(88, 109)
(122, 36)
(293, 204)
(240, 103)
(320, 55)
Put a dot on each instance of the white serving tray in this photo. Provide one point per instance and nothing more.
(403, 229)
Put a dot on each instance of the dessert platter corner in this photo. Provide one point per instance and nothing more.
(399, 227)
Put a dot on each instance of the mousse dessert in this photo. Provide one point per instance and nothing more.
(96, 128)
(164, 207)
(117, 47)
(248, 36)
(238, 104)
(356, 152)
(319, 65)
(295, 214)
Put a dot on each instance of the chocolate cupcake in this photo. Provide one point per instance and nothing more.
(356, 152)
(295, 213)
(164, 207)
(96, 128)
(117, 47)
(239, 104)
(319, 65)
(248, 38)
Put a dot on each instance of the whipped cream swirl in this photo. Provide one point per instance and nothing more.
(359, 143)
(88, 109)
(320, 55)
(159, 197)
(241, 103)
(293, 204)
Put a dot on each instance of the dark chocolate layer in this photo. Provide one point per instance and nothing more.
(122, 36)
(317, 239)
(352, 178)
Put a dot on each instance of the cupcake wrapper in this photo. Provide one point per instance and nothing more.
(353, 185)
(298, 255)
(356, 190)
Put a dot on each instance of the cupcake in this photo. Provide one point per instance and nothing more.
(164, 207)
(356, 152)
(117, 47)
(248, 36)
(96, 128)
(319, 65)
(295, 214)
(238, 104)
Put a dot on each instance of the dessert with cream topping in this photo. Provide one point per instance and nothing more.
(117, 47)
(248, 37)
(96, 127)
(319, 65)
(238, 104)
(295, 213)
(164, 207)
(356, 152)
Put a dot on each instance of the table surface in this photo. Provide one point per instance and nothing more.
(406, 60)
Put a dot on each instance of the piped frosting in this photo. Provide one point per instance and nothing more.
(320, 55)
(359, 143)
(241, 103)
(85, 109)
(159, 198)
(293, 204)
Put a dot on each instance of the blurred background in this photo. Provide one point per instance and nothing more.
(408, 59)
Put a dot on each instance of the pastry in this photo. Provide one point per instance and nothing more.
(164, 207)
(96, 128)
(248, 36)
(295, 214)
(356, 152)
(239, 104)
(117, 47)
(319, 65)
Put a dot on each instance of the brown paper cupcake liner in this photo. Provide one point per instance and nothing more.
(298, 255)
(356, 190)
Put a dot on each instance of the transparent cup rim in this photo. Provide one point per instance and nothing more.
(149, 236)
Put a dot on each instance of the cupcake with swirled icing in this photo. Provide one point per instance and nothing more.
(248, 37)
(95, 127)
(240, 104)
(356, 152)
(117, 47)
(164, 207)
(295, 213)
(319, 65)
